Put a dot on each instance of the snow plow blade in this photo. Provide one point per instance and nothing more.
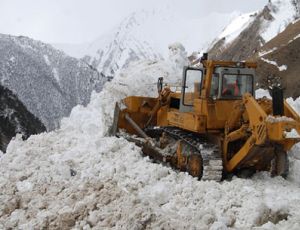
(132, 113)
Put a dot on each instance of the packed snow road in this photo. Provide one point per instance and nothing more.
(79, 178)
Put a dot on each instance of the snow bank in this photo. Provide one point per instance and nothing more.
(260, 93)
(77, 177)
(294, 174)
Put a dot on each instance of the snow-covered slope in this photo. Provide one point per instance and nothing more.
(233, 30)
(146, 35)
(48, 82)
(77, 177)
(247, 33)
(283, 12)
(280, 58)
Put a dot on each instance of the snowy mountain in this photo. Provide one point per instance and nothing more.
(249, 32)
(121, 48)
(77, 177)
(146, 35)
(48, 82)
(269, 37)
(15, 118)
(280, 58)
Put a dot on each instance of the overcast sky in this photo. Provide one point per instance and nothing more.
(76, 21)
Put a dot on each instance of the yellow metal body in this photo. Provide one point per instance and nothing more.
(244, 128)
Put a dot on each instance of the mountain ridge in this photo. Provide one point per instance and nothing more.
(46, 80)
(266, 24)
(146, 34)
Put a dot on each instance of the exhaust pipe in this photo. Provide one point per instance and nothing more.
(277, 102)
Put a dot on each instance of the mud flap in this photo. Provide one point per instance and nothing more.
(114, 128)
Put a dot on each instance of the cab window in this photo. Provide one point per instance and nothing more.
(234, 85)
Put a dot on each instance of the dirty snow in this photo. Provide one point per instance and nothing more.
(273, 119)
(79, 178)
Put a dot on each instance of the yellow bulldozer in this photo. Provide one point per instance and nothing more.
(213, 126)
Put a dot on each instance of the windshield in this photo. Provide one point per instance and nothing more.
(234, 85)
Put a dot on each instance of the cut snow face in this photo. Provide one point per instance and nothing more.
(77, 177)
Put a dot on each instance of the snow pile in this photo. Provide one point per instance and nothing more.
(89, 181)
(233, 30)
(273, 119)
(76, 177)
(294, 154)
(283, 13)
(260, 93)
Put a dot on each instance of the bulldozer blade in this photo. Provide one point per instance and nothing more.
(114, 128)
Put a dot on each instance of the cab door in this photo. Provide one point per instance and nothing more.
(191, 86)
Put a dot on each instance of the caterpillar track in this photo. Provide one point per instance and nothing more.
(198, 147)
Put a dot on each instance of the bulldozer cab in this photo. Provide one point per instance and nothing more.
(210, 92)
(223, 83)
